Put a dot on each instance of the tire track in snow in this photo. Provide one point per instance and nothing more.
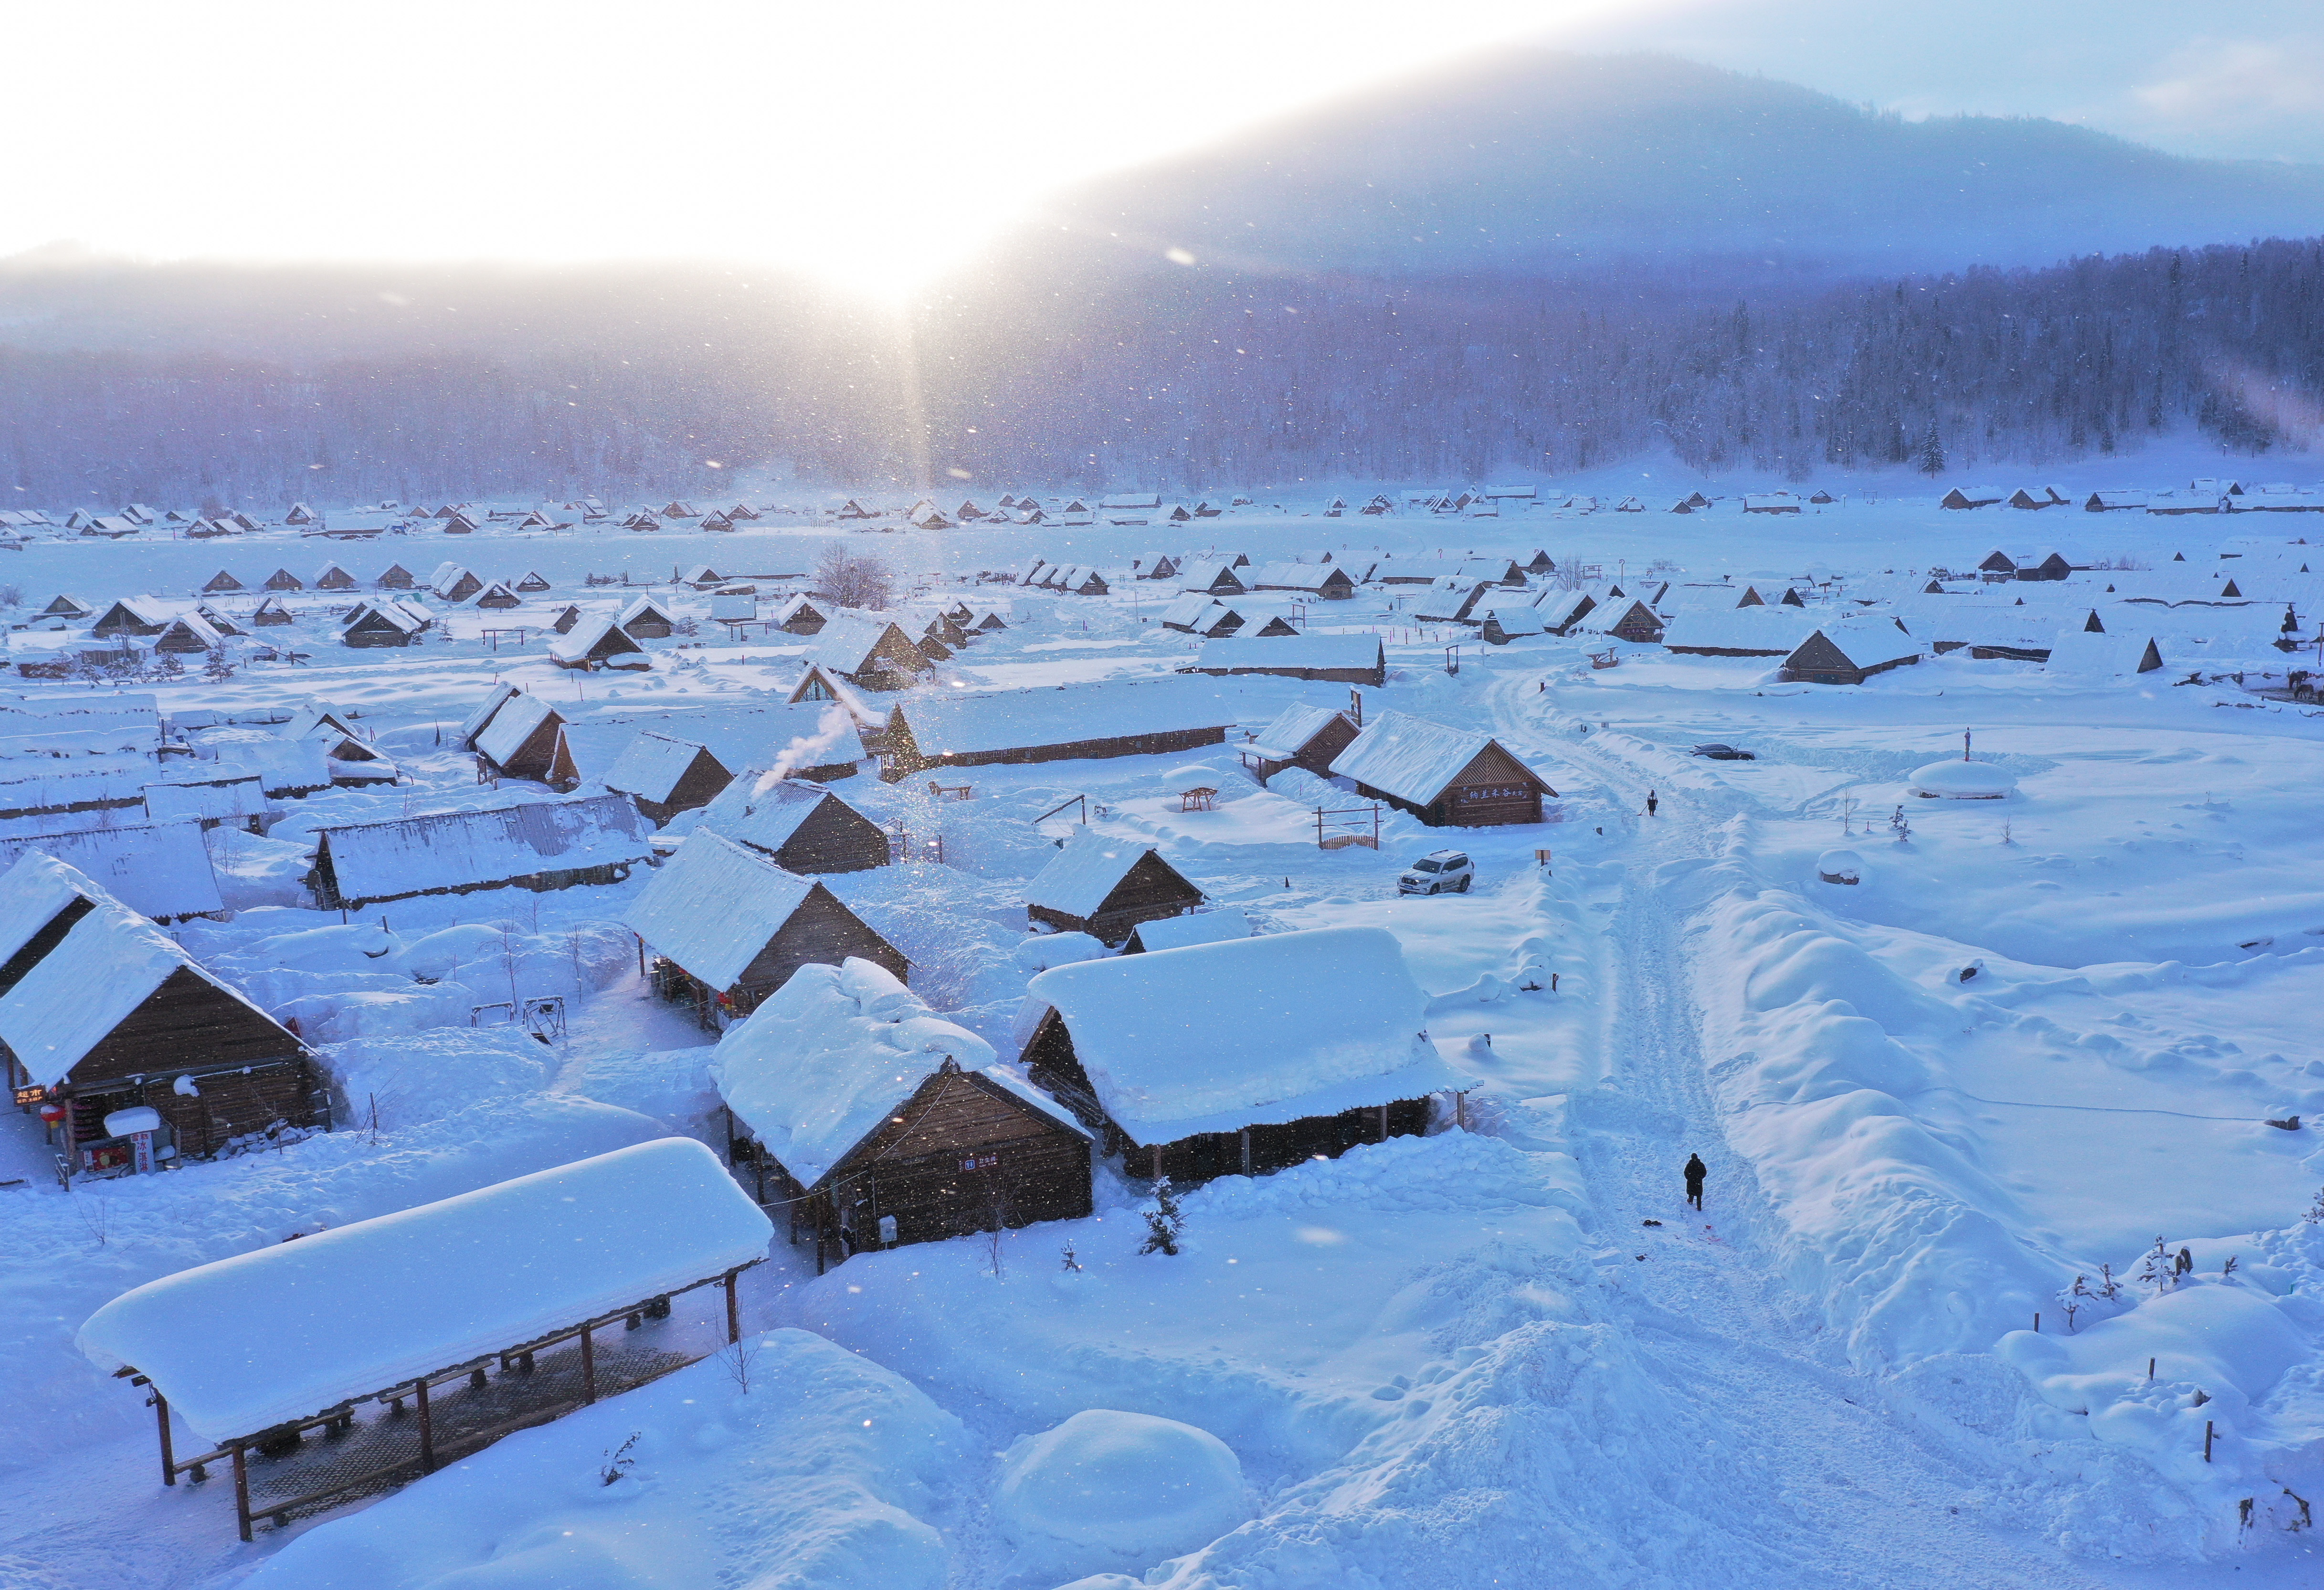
(1885, 1497)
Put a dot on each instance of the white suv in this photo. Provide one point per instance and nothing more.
(1436, 873)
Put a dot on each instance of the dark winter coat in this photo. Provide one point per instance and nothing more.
(1695, 1171)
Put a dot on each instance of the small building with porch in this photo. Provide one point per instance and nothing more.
(1446, 777)
(1105, 886)
(1240, 1056)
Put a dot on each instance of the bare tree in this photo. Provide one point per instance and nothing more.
(854, 579)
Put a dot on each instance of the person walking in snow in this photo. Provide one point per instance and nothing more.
(1695, 1171)
(1651, 802)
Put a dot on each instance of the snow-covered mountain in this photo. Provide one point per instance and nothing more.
(1531, 160)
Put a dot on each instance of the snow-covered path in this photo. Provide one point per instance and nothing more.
(1868, 1491)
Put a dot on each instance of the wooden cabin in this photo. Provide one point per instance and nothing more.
(727, 927)
(284, 580)
(455, 583)
(1214, 576)
(1446, 777)
(396, 578)
(1105, 886)
(870, 652)
(1326, 582)
(1300, 737)
(69, 608)
(538, 845)
(646, 620)
(519, 736)
(159, 868)
(1241, 1056)
(1850, 654)
(1451, 601)
(101, 1012)
(530, 583)
(1966, 497)
(497, 597)
(1162, 566)
(1345, 659)
(383, 623)
(565, 618)
(797, 823)
(1057, 723)
(666, 775)
(1625, 619)
(880, 1123)
(334, 578)
(134, 615)
(702, 577)
(1197, 612)
(271, 613)
(189, 633)
(796, 615)
(597, 643)
(220, 583)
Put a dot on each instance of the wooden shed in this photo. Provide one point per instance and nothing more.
(284, 580)
(539, 845)
(453, 583)
(1626, 617)
(1326, 582)
(497, 596)
(1197, 612)
(519, 736)
(1241, 1056)
(396, 577)
(220, 583)
(1345, 659)
(728, 927)
(530, 582)
(566, 617)
(102, 1012)
(1446, 777)
(1214, 576)
(332, 577)
(1850, 654)
(796, 615)
(869, 651)
(1300, 737)
(597, 643)
(380, 623)
(880, 1123)
(647, 619)
(1105, 886)
(666, 775)
(132, 615)
(1057, 723)
(189, 633)
(797, 824)
(61, 606)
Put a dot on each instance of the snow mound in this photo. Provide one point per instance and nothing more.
(1840, 866)
(1043, 950)
(1107, 1490)
(1962, 781)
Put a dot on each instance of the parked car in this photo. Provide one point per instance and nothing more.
(1436, 873)
(1724, 753)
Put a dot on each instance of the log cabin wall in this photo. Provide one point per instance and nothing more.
(904, 758)
(699, 786)
(834, 837)
(970, 1155)
(822, 932)
(1151, 889)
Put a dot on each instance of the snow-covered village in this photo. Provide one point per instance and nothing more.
(1652, 929)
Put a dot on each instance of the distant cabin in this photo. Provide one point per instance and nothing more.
(332, 577)
(2114, 501)
(395, 577)
(1299, 737)
(1345, 659)
(531, 583)
(797, 824)
(1212, 575)
(1762, 630)
(539, 845)
(189, 633)
(566, 617)
(1104, 886)
(1850, 654)
(873, 1123)
(1451, 600)
(497, 597)
(702, 577)
(102, 1013)
(1446, 777)
(379, 623)
(869, 651)
(284, 580)
(727, 927)
(1501, 622)
(646, 620)
(1244, 1056)
(1197, 612)
(220, 583)
(596, 643)
(519, 736)
(1625, 619)
(65, 607)
(1540, 563)
(1162, 566)
(1060, 723)
(134, 615)
(1497, 571)
(665, 776)
(1324, 580)
(455, 583)
(2029, 498)
(300, 514)
(1960, 497)
(680, 511)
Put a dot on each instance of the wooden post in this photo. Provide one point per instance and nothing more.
(1246, 1151)
(1461, 1108)
(241, 1492)
(2207, 1433)
(1383, 1123)
(733, 1309)
(162, 1420)
(427, 1427)
(588, 1363)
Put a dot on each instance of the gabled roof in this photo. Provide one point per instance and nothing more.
(845, 643)
(763, 811)
(643, 607)
(714, 905)
(651, 766)
(401, 855)
(1292, 729)
(1414, 760)
(821, 684)
(590, 636)
(512, 725)
(1086, 869)
(831, 1056)
(958, 722)
(1250, 1032)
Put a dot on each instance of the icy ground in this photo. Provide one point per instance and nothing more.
(1459, 1360)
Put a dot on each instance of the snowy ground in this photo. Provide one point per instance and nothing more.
(1458, 1360)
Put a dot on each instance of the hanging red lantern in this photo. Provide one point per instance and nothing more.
(52, 1115)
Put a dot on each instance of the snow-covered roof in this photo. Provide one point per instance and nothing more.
(651, 765)
(809, 734)
(585, 637)
(642, 607)
(32, 890)
(64, 791)
(845, 642)
(1292, 577)
(763, 811)
(445, 849)
(283, 766)
(512, 725)
(1409, 757)
(1201, 927)
(73, 998)
(1087, 867)
(294, 1327)
(1768, 630)
(1186, 607)
(1252, 1032)
(1290, 651)
(80, 722)
(713, 906)
(1291, 729)
(499, 696)
(832, 1054)
(2075, 651)
(958, 722)
(225, 800)
(1869, 644)
(159, 869)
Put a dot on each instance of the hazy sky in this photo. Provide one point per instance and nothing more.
(878, 142)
